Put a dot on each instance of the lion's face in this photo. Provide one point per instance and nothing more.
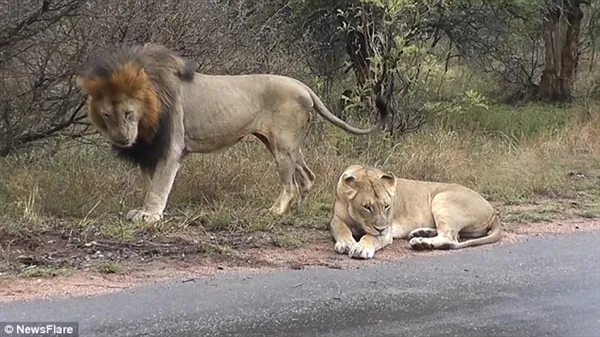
(121, 116)
(370, 199)
(122, 105)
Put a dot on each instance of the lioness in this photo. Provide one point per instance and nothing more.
(377, 207)
(155, 109)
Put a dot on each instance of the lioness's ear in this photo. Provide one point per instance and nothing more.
(388, 179)
(349, 185)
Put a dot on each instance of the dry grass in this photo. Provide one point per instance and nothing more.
(510, 156)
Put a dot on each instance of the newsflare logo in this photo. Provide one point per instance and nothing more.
(39, 329)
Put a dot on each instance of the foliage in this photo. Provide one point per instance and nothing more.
(349, 50)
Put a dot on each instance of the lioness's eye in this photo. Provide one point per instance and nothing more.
(387, 207)
(128, 114)
(105, 116)
(367, 208)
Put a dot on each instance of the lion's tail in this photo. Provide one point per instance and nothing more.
(380, 103)
(494, 235)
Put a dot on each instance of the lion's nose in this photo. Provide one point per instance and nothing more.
(380, 230)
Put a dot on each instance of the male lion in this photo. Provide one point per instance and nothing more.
(377, 207)
(155, 109)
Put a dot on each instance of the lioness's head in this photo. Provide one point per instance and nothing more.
(370, 193)
(121, 104)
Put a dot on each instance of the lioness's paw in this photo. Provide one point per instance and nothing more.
(361, 251)
(344, 247)
(422, 233)
(138, 215)
(420, 244)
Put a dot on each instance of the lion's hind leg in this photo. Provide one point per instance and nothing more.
(443, 240)
(473, 234)
(283, 150)
(289, 191)
(447, 220)
(303, 176)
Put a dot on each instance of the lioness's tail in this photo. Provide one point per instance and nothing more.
(494, 235)
(380, 103)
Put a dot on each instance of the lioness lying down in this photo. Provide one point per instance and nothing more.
(374, 207)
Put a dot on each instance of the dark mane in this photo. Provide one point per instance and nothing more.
(147, 154)
(164, 69)
(154, 58)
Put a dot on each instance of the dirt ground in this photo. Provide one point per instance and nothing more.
(188, 262)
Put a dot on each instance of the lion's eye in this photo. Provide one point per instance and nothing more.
(387, 207)
(128, 114)
(367, 208)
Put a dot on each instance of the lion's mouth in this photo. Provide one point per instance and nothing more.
(123, 144)
(380, 231)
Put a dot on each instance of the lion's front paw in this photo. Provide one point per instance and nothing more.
(344, 247)
(362, 251)
(139, 215)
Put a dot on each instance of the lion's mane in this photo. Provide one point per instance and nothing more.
(117, 71)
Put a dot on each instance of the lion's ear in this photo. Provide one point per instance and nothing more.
(349, 185)
(140, 81)
(389, 180)
(91, 86)
(130, 78)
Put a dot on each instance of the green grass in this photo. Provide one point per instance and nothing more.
(287, 240)
(512, 125)
(110, 267)
(225, 250)
(532, 216)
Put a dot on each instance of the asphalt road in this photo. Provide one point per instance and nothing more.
(540, 287)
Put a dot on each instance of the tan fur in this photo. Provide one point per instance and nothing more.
(380, 207)
(207, 114)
